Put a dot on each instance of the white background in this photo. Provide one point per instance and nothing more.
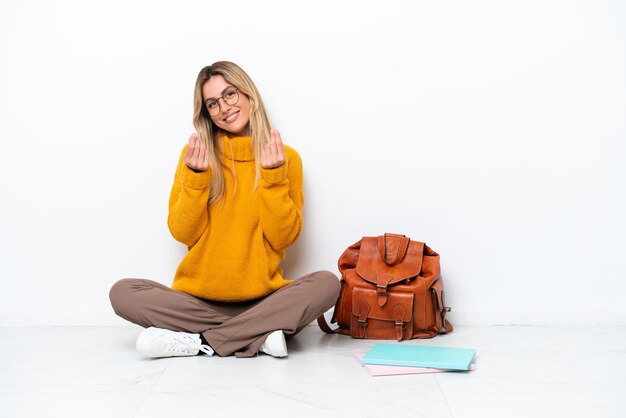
(493, 131)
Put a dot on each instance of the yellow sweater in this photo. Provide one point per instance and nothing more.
(235, 249)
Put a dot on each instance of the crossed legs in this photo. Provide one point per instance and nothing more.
(239, 328)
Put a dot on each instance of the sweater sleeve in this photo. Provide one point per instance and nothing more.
(188, 215)
(281, 201)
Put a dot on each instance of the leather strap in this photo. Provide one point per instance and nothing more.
(364, 310)
(390, 257)
(321, 321)
(399, 311)
(447, 326)
(382, 281)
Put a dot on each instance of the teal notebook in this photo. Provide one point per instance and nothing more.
(420, 356)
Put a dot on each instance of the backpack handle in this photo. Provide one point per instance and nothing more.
(385, 249)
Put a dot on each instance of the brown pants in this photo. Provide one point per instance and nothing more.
(239, 328)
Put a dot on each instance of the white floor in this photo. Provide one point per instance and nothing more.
(528, 371)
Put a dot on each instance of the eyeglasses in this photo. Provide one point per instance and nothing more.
(230, 96)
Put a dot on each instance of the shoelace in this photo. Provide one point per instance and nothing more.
(185, 343)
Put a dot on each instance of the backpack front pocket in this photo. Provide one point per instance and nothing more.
(392, 321)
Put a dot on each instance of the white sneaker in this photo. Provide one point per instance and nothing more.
(158, 342)
(275, 344)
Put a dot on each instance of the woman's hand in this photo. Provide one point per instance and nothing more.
(273, 154)
(197, 156)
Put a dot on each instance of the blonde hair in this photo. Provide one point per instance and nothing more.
(208, 132)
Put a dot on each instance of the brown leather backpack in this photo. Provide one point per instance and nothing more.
(391, 288)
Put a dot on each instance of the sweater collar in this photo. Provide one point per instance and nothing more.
(238, 148)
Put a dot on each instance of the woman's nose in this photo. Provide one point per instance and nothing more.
(224, 107)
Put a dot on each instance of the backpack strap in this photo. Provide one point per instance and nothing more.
(321, 321)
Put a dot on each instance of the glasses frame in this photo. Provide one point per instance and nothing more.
(213, 113)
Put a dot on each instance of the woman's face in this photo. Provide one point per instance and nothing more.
(233, 117)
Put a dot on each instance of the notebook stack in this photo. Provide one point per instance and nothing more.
(392, 359)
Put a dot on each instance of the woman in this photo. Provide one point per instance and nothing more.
(236, 203)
